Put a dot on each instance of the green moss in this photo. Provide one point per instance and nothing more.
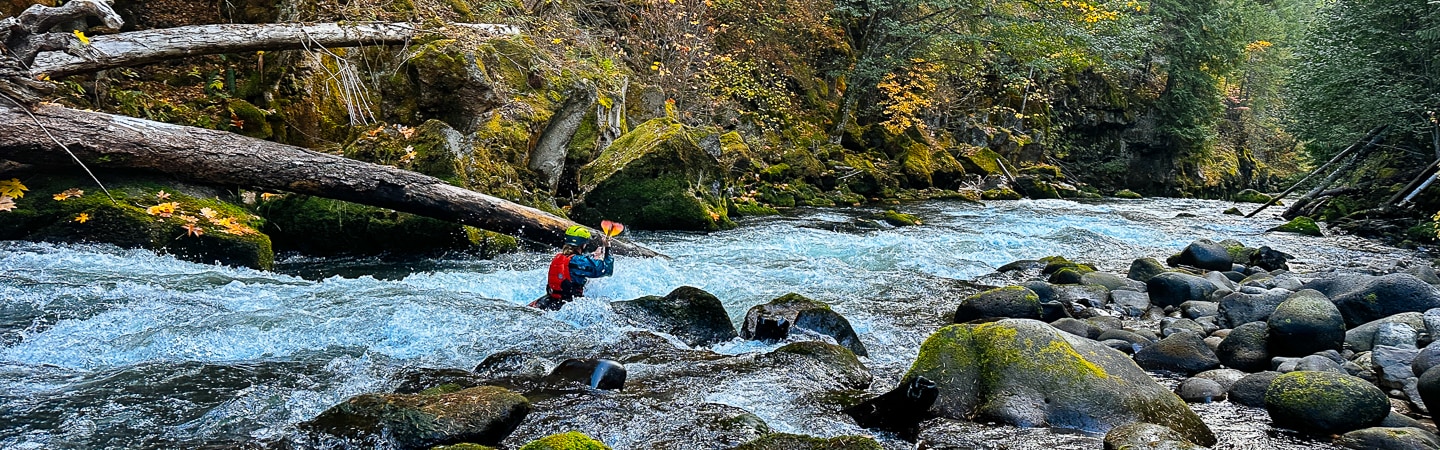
(899, 219)
(251, 121)
(1301, 225)
(464, 446)
(795, 300)
(1233, 211)
(1126, 193)
(320, 226)
(980, 160)
(1043, 170)
(573, 440)
(654, 177)
(446, 388)
(1000, 194)
(1251, 196)
(775, 173)
(425, 149)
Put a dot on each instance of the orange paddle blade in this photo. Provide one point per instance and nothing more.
(611, 228)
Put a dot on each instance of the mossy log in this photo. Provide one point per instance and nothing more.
(222, 158)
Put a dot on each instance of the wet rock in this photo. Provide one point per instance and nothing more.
(1427, 358)
(1316, 363)
(1021, 265)
(1140, 435)
(1144, 269)
(1200, 390)
(1395, 334)
(1127, 336)
(1077, 327)
(1246, 347)
(602, 374)
(483, 415)
(1300, 225)
(817, 317)
(1392, 365)
(822, 362)
(1196, 309)
(512, 364)
(1389, 439)
(1009, 302)
(1361, 367)
(1428, 386)
(1362, 338)
(1271, 259)
(901, 410)
(1239, 308)
(1171, 325)
(1130, 303)
(785, 441)
(573, 440)
(1088, 295)
(650, 179)
(1221, 282)
(771, 329)
(1035, 375)
(688, 313)
(1412, 393)
(1106, 322)
(1225, 377)
(1324, 402)
(1184, 352)
(1065, 276)
(1304, 324)
(1214, 342)
(1053, 311)
(1111, 281)
(1365, 298)
(1432, 323)
(1173, 288)
(1250, 390)
(451, 380)
(1044, 290)
(1206, 254)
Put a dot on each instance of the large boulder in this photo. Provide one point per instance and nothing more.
(821, 362)
(1389, 439)
(805, 313)
(1183, 352)
(1014, 302)
(655, 177)
(1206, 254)
(1250, 391)
(1243, 307)
(1141, 435)
(1364, 298)
(688, 313)
(785, 441)
(573, 440)
(1027, 373)
(1362, 338)
(483, 415)
(1144, 269)
(1325, 402)
(1305, 324)
(1173, 288)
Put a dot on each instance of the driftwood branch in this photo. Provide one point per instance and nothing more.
(148, 46)
(218, 157)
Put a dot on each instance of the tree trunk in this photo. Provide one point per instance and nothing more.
(148, 46)
(217, 157)
(548, 157)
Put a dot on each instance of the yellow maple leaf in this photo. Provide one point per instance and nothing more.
(82, 218)
(81, 36)
(162, 195)
(193, 229)
(7, 203)
(163, 209)
(207, 213)
(269, 196)
(12, 188)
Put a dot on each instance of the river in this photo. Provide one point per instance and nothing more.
(103, 347)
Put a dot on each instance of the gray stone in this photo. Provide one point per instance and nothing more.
(1173, 288)
(1130, 303)
(1395, 334)
(1200, 390)
(1240, 308)
(1284, 364)
(1362, 338)
(1366, 298)
(1087, 295)
(1425, 273)
(1389, 439)
(1245, 348)
(1221, 281)
(813, 315)
(1427, 358)
(1184, 352)
(688, 313)
(1077, 327)
(1140, 435)
(1432, 322)
(1205, 254)
(1171, 325)
(1317, 363)
(1144, 269)
(1412, 393)
(1392, 365)
(1250, 390)
(1225, 377)
(1214, 342)
(1197, 309)
(1007, 302)
(1109, 280)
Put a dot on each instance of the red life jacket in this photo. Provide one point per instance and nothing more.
(559, 284)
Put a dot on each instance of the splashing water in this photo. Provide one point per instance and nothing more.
(108, 348)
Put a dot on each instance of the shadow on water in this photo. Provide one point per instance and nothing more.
(109, 348)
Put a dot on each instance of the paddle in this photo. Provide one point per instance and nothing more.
(612, 228)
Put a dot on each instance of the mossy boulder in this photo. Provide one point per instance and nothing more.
(249, 120)
(1305, 324)
(1325, 402)
(1001, 194)
(1011, 302)
(1036, 187)
(1365, 298)
(483, 415)
(900, 219)
(1251, 196)
(1126, 193)
(786, 441)
(1390, 438)
(433, 148)
(655, 177)
(980, 160)
(1044, 171)
(573, 440)
(1300, 225)
(689, 313)
(65, 209)
(802, 312)
(821, 362)
(1027, 373)
(1140, 435)
(321, 226)
(440, 80)
(1233, 211)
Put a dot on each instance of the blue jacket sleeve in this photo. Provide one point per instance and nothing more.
(588, 267)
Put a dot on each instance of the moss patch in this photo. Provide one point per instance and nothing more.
(1126, 193)
(1000, 194)
(900, 219)
(573, 440)
(1302, 225)
(320, 226)
(655, 177)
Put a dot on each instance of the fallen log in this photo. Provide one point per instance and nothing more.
(222, 158)
(149, 46)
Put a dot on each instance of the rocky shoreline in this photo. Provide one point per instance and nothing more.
(1345, 358)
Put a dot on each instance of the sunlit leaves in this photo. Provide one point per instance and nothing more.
(193, 230)
(7, 203)
(68, 194)
(82, 218)
(162, 195)
(12, 188)
(163, 210)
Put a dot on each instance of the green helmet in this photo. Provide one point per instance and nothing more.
(577, 236)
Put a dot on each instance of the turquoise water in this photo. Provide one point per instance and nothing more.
(109, 348)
